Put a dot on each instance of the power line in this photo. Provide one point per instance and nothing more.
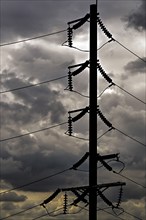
(32, 85)
(49, 213)
(86, 51)
(32, 38)
(129, 179)
(87, 139)
(41, 216)
(130, 137)
(17, 213)
(43, 129)
(130, 94)
(57, 32)
(85, 96)
(116, 216)
(32, 132)
(104, 91)
(118, 173)
(132, 215)
(58, 78)
(56, 175)
(35, 181)
(130, 51)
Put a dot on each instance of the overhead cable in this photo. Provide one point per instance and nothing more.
(130, 94)
(32, 132)
(86, 96)
(130, 51)
(130, 137)
(133, 215)
(32, 38)
(18, 213)
(109, 80)
(32, 85)
(129, 179)
(109, 35)
(82, 50)
(116, 216)
(35, 181)
(49, 34)
(87, 139)
(70, 88)
(25, 210)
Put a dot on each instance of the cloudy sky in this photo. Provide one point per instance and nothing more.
(38, 155)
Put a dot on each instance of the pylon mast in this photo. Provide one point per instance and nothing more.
(93, 114)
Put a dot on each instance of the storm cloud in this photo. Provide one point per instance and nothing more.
(137, 19)
(136, 66)
(29, 158)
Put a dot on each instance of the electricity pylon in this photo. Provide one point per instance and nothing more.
(93, 189)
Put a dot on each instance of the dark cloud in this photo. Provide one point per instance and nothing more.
(13, 197)
(20, 169)
(32, 104)
(44, 153)
(135, 67)
(137, 19)
(8, 206)
(36, 17)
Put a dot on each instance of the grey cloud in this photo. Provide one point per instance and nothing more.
(32, 157)
(13, 197)
(38, 62)
(39, 166)
(8, 206)
(36, 16)
(135, 67)
(33, 103)
(137, 19)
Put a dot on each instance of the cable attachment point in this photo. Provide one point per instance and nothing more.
(70, 130)
(82, 66)
(104, 198)
(101, 159)
(80, 69)
(65, 204)
(99, 113)
(80, 115)
(70, 35)
(70, 85)
(103, 73)
(81, 22)
(103, 28)
(51, 197)
(76, 165)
